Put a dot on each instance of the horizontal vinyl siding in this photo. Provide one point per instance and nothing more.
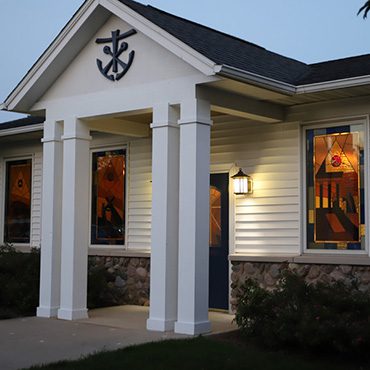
(36, 200)
(139, 195)
(267, 221)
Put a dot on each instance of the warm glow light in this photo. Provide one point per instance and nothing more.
(243, 184)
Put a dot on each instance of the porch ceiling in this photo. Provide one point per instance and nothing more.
(125, 124)
(231, 102)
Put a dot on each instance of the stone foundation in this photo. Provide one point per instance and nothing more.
(127, 279)
(267, 275)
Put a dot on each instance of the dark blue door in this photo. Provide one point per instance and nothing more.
(219, 242)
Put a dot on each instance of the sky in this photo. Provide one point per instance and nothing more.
(310, 31)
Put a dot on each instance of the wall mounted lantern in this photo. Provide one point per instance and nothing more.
(243, 184)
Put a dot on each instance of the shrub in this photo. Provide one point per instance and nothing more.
(101, 291)
(19, 282)
(322, 316)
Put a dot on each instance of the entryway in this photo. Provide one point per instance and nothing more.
(219, 242)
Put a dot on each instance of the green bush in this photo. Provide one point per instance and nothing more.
(19, 282)
(317, 317)
(101, 291)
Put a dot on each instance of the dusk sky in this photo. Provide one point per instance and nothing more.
(310, 31)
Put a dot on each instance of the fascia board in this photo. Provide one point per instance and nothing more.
(50, 54)
(336, 84)
(289, 89)
(163, 38)
(21, 130)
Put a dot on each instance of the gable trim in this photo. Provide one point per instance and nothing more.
(50, 53)
(160, 36)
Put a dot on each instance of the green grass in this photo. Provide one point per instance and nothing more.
(203, 353)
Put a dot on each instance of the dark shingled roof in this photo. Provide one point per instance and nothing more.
(222, 48)
(337, 70)
(231, 51)
(21, 122)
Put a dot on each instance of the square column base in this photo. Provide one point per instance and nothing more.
(192, 328)
(47, 312)
(65, 314)
(160, 325)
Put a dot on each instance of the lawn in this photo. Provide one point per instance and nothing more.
(216, 352)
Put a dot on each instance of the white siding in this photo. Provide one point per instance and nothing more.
(139, 206)
(36, 200)
(266, 222)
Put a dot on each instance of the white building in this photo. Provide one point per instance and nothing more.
(144, 119)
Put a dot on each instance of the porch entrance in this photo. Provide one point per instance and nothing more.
(219, 242)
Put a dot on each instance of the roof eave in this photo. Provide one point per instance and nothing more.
(289, 89)
(21, 130)
(334, 84)
(255, 79)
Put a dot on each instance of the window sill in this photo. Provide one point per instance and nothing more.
(24, 248)
(118, 252)
(319, 259)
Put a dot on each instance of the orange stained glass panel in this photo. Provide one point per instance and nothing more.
(214, 217)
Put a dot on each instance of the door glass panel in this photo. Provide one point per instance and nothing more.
(214, 217)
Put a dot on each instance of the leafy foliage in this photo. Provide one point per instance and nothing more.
(101, 291)
(318, 317)
(19, 282)
(365, 9)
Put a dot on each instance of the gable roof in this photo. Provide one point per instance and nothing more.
(221, 54)
(337, 70)
(221, 48)
(228, 50)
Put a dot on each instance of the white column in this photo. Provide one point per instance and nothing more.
(195, 124)
(165, 211)
(51, 220)
(75, 220)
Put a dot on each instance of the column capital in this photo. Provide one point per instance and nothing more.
(52, 131)
(165, 115)
(195, 111)
(75, 129)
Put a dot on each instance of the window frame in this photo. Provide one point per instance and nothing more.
(103, 148)
(5, 161)
(364, 122)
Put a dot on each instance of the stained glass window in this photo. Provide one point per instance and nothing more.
(18, 201)
(335, 188)
(108, 197)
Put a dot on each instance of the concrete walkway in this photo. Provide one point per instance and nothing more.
(29, 341)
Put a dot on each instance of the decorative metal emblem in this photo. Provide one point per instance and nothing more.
(115, 51)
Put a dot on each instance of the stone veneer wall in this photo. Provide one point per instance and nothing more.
(128, 278)
(267, 274)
